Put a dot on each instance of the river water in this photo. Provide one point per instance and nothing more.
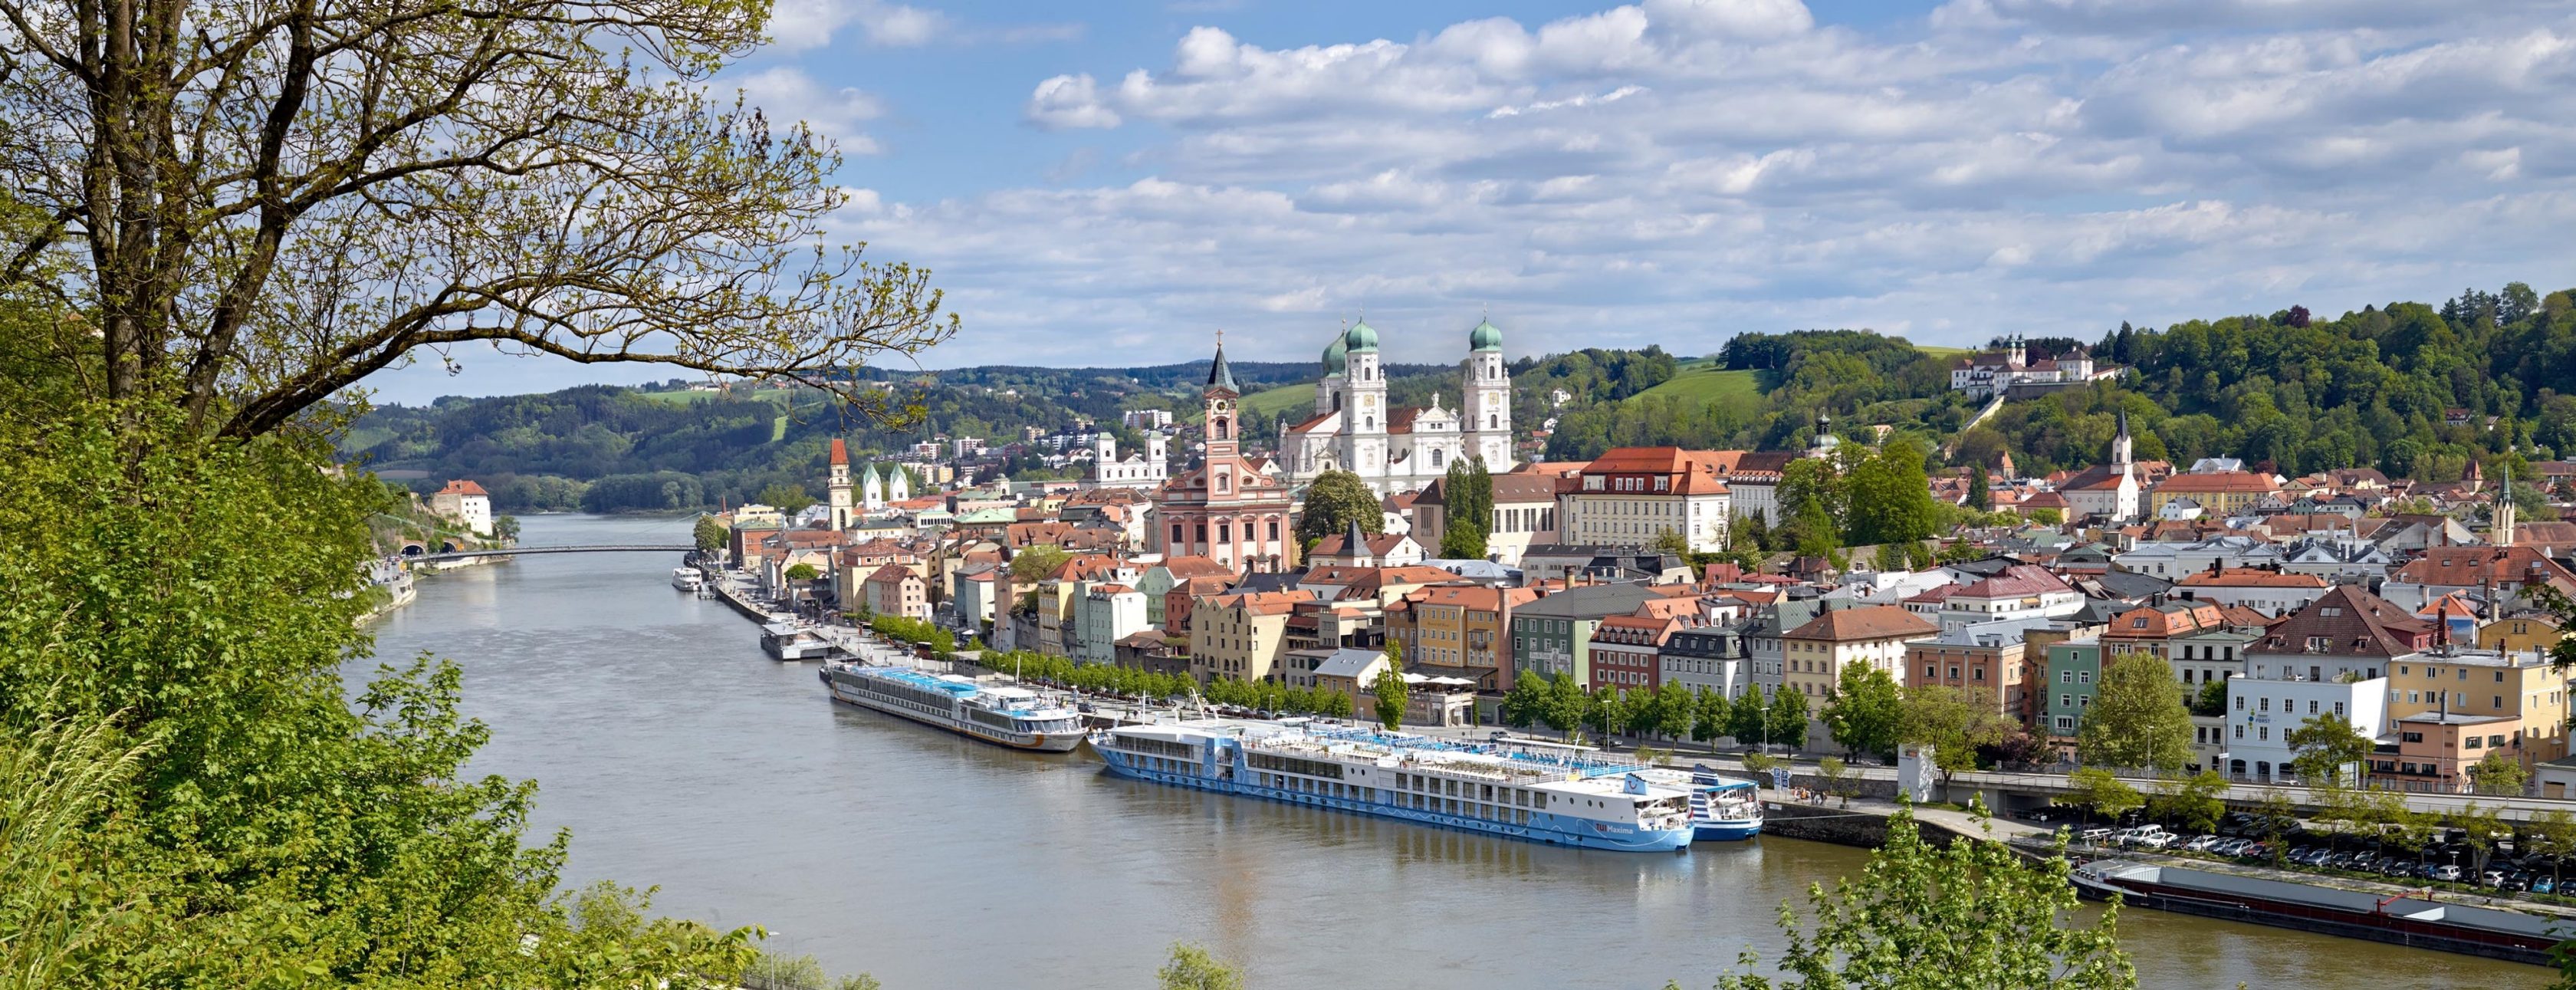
(679, 755)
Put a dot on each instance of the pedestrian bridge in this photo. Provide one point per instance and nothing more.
(594, 548)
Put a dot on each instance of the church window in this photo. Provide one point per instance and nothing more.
(1274, 531)
(1368, 422)
(1435, 457)
(1493, 422)
(1221, 484)
(1201, 532)
(1225, 532)
(1176, 533)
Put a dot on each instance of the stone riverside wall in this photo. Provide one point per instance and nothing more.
(1828, 822)
(1884, 790)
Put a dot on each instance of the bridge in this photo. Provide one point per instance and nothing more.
(596, 548)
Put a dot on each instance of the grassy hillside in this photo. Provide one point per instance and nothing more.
(1270, 402)
(1700, 382)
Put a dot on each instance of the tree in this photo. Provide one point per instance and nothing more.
(1334, 501)
(1194, 968)
(1391, 693)
(2211, 700)
(2192, 804)
(1864, 711)
(1469, 514)
(803, 572)
(1034, 564)
(266, 819)
(1981, 495)
(2500, 775)
(1785, 723)
(1565, 703)
(2137, 719)
(1954, 723)
(709, 534)
(254, 213)
(2325, 743)
(1676, 710)
(1836, 774)
(1526, 702)
(2106, 795)
(1749, 719)
(789, 499)
(1709, 715)
(1976, 913)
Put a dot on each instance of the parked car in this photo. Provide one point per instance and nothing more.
(2445, 873)
(2200, 843)
(2544, 885)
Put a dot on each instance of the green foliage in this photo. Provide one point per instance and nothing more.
(1334, 501)
(1469, 489)
(2210, 700)
(916, 631)
(1101, 678)
(1390, 692)
(174, 615)
(2137, 718)
(1526, 703)
(1710, 714)
(2500, 775)
(803, 572)
(1785, 722)
(2324, 744)
(1748, 719)
(1974, 914)
(2191, 804)
(1194, 968)
(2105, 794)
(1033, 564)
(709, 534)
(788, 498)
(1865, 711)
(1954, 722)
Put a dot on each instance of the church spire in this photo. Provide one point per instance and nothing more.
(1220, 374)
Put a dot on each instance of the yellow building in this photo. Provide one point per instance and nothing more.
(1242, 637)
(2521, 634)
(2519, 684)
(2222, 493)
(1463, 629)
(1812, 656)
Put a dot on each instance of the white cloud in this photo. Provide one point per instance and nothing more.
(1673, 172)
(797, 25)
(786, 93)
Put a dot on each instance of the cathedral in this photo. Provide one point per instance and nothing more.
(1400, 450)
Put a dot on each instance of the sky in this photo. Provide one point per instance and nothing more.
(1104, 183)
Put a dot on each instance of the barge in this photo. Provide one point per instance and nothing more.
(2409, 919)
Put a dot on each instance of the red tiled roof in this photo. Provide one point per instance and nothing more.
(1846, 625)
(462, 486)
(2250, 577)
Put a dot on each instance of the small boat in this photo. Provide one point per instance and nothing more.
(688, 578)
(790, 641)
(1006, 716)
(1723, 810)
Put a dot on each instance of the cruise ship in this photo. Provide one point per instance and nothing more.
(795, 641)
(688, 578)
(1008, 716)
(1562, 795)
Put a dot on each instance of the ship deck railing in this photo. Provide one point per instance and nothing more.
(1563, 762)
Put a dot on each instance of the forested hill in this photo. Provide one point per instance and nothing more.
(2408, 388)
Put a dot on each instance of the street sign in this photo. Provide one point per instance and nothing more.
(1779, 778)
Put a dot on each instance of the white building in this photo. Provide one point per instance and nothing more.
(2106, 491)
(2173, 560)
(1105, 613)
(1995, 371)
(2261, 711)
(1630, 496)
(2273, 593)
(465, 502)
(1147, 470)
(1355, 429)
(1147, 419)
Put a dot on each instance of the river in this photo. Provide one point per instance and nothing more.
(680, 756)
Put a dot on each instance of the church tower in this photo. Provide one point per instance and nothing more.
(1364, 415)
(1488, 413)
(2501, 534)
(2122, 453)
(837, 485)
(1223, 441)
(1328, 389)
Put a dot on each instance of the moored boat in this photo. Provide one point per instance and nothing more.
(791, 641)
(1552, 795)
(1008, 716)
(2400, 919)
(1721, 809)
(688, 578)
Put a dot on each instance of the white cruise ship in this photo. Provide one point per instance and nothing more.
(1009, 716)
(1554, 794)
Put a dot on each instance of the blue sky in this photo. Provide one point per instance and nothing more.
(1112, 183)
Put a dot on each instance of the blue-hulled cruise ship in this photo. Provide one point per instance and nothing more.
(1008, 716)
(1553, 794)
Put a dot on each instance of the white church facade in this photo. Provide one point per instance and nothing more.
(1354, 428)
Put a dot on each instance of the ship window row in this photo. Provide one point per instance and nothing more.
(1292, 764)
(1163, 747)
(1463, 809)
(1415, 782)
(1325, 788)
(936, 699)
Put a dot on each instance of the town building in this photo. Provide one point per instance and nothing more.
(2435, 750)
(897, 590)
(1553, 635)
(1145, 470)
(2262, 712)
(1524, 514)
(2012, 369)
(2106, 492)
(467, 503)
(1241, 636)
(2520, 685)
(1708, 658)
(1226, 509)
(1358, 549)
(2502, 576)
(1986, 661)
(1631, 496)
(2222, 493)
(841, 509)
(2273, 593)
(1354, 428)
(2068, 687)
(1877, 635)
(1627, 652)
(1459, 630)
